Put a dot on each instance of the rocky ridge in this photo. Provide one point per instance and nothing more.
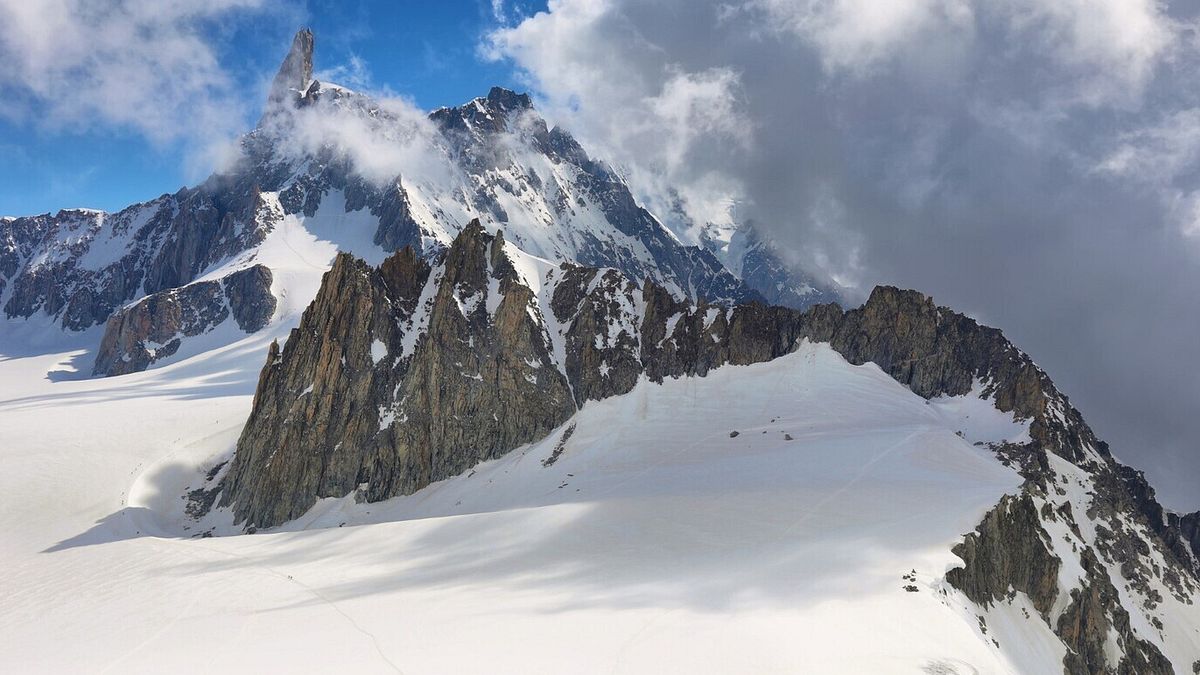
(415, 371)
(154, 327)
(79, 266)
(406, 374)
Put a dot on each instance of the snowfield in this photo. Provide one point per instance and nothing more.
(657, 540)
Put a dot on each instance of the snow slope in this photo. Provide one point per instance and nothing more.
(655, 542)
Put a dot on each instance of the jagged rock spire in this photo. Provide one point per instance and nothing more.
(295, 73)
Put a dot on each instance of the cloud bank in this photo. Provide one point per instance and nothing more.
(1031, 162)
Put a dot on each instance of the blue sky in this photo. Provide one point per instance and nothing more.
(427, 51)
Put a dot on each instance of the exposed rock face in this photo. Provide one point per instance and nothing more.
(81, 266)
(1092, 617)
(1006, 554)
(1188, 527)
(153, 328)
(250, 299)
(936, 351)
(357, 396)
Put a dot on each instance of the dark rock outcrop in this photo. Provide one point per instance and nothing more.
(353, 398)
(1006, 554)
(1188, 526)
(154, 328)
(250, 298)
(1095, 610)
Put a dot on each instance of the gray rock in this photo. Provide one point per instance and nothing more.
(1006, 552)
(343, 404)
(250, 298)
(154, 328)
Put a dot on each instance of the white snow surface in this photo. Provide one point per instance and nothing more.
(655, 543)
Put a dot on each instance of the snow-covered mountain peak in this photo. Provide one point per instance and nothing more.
(357, 173)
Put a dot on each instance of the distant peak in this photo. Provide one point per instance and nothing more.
(488, 114)
(506, 100)
(295, 73)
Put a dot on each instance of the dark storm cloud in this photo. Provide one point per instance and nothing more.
(1030, 162)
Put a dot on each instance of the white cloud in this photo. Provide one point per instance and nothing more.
(395, 138)
(499, 12)
(1109, 48)
(141, 65)
(1163, 157)
(1159, 152)
(858, 35)
(693, 107)
(1189, 216)
(1095, 52)
(353, 74)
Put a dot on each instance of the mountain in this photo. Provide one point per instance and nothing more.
(412, 373)
(326, 161)
(482, 412)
